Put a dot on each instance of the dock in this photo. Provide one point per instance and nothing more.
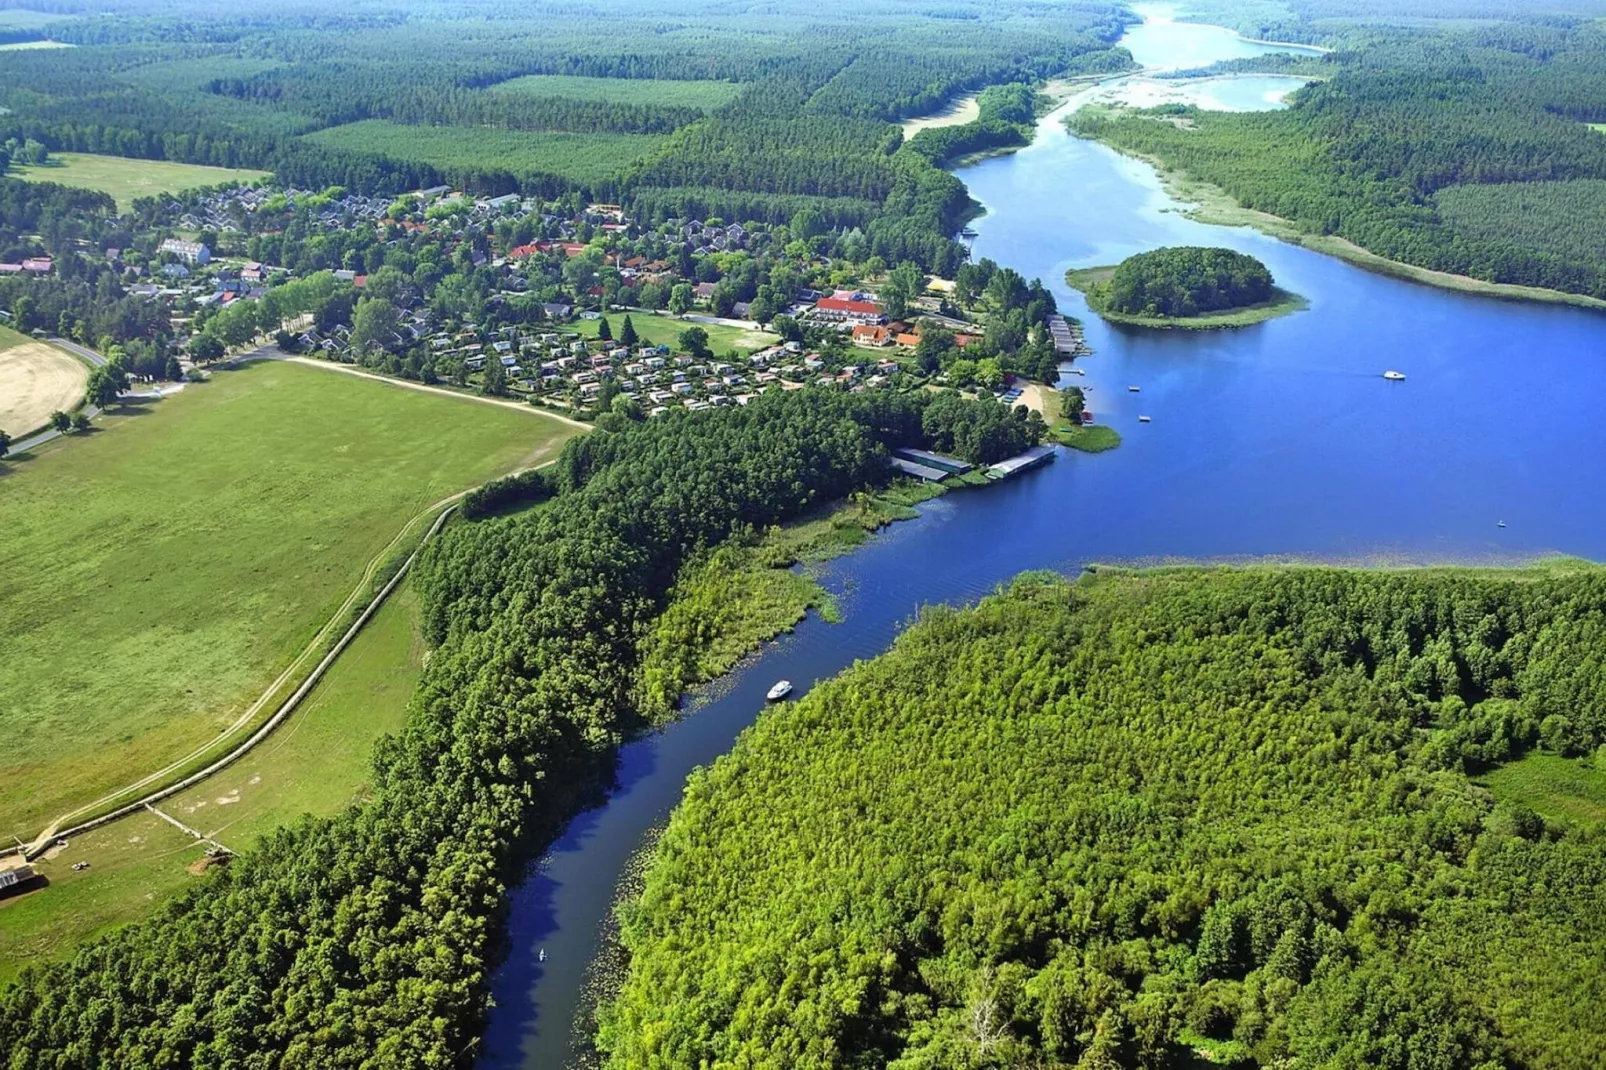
(1035, 457)
(1067, 337)
(924, 473)
(951, 466)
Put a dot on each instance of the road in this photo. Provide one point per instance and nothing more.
(95, 361)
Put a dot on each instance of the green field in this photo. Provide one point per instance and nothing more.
(316, 763)
(33, 46)
(161, 571)
(579, 157)
(1598, 127)
(701, 94)
(128, 179)
(1554, 787)
(664, 330)
(17, 18)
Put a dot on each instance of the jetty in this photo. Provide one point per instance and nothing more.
(1035, 457)
(1067, 337)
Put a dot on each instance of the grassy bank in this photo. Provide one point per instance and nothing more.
(126, 180)
(1089, 438)
(166, 567)
(1091, 281)
(1209, 203)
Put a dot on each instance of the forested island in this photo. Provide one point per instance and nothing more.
(1185, 286)
(1146, 817)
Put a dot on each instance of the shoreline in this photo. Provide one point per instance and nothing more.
(1205, 202)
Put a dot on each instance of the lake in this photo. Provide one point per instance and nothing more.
(1276, 441)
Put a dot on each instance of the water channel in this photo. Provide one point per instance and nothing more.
(1277, 441)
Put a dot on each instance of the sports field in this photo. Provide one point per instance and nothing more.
(162, 570)
(127, 179)
(685, 94)
(36, 379)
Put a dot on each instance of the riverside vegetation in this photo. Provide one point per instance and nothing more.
(366, 938)
(1143, 817)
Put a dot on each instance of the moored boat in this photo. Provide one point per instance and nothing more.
(780, 691)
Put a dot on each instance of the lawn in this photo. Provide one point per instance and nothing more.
(593, 157)
(1553, 787)
(691, 94)
(162, 570)
(664, 330)
(1597, 127)
(317, 762)
(128, 179)
(33, 46)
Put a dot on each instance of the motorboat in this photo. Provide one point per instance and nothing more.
(1133, 389)
(1143, 419)
(780, 691)
(1393, 376)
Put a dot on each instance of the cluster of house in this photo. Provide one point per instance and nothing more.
(703, 240)
(33, 265)
(858, 313)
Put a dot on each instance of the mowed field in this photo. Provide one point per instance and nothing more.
(316, 763)
(580, 157)
(665, 330)
(161, 571)
(683, 94)
(36, 379)
(127, 179)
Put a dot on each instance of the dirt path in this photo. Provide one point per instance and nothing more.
(36, 380)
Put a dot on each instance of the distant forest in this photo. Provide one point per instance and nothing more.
(1153, 820)
(1450, 145)
(819, 91)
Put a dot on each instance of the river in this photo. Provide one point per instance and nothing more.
(1276, 441)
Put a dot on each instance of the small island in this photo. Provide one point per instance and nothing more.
(1191, 287)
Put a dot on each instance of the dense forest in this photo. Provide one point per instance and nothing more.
(1450, 147)
(820, 90)
(1185, 281)
(366, 939)
(1122, 821)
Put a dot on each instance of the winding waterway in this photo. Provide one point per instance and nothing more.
(1280, 440)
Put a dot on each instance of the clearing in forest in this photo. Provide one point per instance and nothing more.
(160, 572)
(126, 180)
(36, 380)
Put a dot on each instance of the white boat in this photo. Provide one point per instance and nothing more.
(1133, 389)
(1393, 376)
(780, 691)
(1143, 419)
(1501, 524)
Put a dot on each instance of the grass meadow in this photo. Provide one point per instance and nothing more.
(664, 330)
(689, 94)
(1554, 787)
(593, 157)
(317, 763)
(126, 179)
(162, 570)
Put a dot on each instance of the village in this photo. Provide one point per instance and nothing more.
(574, 306)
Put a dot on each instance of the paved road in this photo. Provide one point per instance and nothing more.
(95, 361)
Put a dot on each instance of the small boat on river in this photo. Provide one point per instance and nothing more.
(1134, 389)
(1143, 419)
(1393, 376)
(780, 691)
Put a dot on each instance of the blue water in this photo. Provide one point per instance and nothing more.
(1280, 440)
